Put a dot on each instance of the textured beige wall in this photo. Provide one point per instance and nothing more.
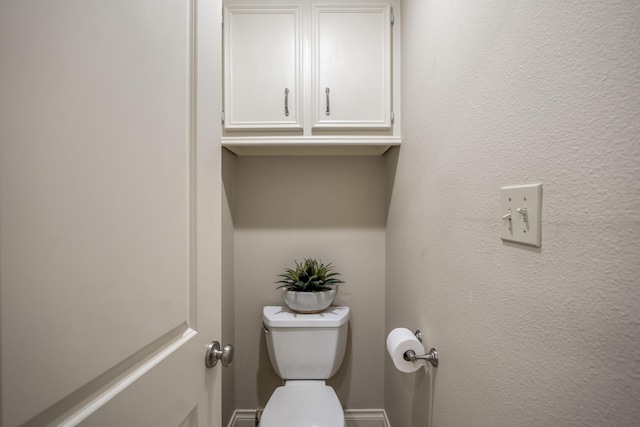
(503, 93)
(331, 208)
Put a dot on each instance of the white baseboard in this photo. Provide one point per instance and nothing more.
(366, 418)
(354, 418)
(243, 418)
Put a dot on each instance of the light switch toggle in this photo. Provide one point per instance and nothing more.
(507, 216)
(523, 212)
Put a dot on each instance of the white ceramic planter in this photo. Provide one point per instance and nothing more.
(308, 302)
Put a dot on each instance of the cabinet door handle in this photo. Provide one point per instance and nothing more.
(326, 91)
(286, 101)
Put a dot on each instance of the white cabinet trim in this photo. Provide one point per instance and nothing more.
(310, 145)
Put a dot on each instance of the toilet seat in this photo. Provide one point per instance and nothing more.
(302, 403)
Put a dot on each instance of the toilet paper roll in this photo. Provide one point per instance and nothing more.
(398, 342)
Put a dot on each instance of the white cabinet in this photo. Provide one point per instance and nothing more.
(352, 66)
(311, 75)
(262, 67)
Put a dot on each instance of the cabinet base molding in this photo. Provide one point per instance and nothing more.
(310, 146)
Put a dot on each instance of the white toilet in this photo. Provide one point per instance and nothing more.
(305, 350)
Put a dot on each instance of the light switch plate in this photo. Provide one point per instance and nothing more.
(521, 212)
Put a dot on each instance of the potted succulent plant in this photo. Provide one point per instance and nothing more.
(310, 287)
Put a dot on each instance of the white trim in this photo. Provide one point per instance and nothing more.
(376, 415)
(240, 418)
(325, 140)
(314, 145)
(354, 418)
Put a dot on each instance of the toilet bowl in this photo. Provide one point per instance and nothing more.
(305, 350)
(302, 403)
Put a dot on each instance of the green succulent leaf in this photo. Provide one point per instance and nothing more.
(309, 275)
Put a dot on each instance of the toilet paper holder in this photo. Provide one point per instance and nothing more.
(431, 356)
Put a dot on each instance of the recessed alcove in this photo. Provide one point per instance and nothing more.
(278, 209)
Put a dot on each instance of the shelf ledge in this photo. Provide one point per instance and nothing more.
(310, 146)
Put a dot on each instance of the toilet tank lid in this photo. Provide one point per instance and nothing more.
(281, 316)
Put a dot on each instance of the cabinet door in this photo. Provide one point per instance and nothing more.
(352, 67)
(262, 67)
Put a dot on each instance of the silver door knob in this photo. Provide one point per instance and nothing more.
(214, 354)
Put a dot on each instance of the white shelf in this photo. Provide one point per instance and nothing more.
(310, 146)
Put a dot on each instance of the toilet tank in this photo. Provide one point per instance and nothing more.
(305, 346)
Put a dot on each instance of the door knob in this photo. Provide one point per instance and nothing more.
(214, 354)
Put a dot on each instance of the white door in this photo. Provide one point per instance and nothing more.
(109, 212)
(352, 66)
(262, 57)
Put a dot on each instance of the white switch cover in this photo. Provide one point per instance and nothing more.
(521, 211)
